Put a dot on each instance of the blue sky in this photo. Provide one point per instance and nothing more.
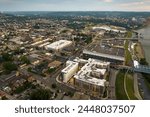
(74, 5)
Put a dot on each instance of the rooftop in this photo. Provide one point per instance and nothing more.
(44, 44)
(59, 44)
(104, 55)
(54, 64)
(109, 48)
(110, 28)
(40, 42)
(70, 65)
(95, 66)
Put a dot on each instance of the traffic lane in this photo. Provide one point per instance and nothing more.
(112, 81)
(143, 87)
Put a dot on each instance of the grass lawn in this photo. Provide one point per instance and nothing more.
(128, 57)
(129, 34)
(120, 92)
(139, 51)
(130, 86)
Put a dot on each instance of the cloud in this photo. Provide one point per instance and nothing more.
(138, 8)
(106, 0)
(139, 5)
(132, 4)
(82, 5)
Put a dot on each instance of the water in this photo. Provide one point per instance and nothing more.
(146, 42)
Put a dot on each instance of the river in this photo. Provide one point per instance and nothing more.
(146, 42)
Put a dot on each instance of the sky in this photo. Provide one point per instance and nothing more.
(74, 5)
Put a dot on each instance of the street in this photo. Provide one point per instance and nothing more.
(143, 87)
(112, 81)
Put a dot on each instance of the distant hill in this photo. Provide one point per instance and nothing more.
(82, 13)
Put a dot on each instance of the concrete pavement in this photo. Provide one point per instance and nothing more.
(136, 88)
(112, 81)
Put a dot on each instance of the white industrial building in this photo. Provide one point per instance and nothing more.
(41, 42)
(59, 45)
(108, 28)
(69, 71)
(43, 45)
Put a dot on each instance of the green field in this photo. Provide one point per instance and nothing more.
(128, 57)
(120, 92)
(129, 34)
(130, 86)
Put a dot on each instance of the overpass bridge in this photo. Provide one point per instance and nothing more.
(140, 68)
(141, 39)
(132, 39)
(135, 39)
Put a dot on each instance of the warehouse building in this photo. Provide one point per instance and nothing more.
(110, 28)
(105, 57)
(37, 43)
(111, 50)
(42, 46)
(59, 45)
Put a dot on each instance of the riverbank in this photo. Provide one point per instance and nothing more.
(139, 51)
(141, 27)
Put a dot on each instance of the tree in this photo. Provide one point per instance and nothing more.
(4, 98)
(41, 94)
(9, 66)
(54, 86)
(69, 93)
(50, 70)
(29, 69)
(7, 57)
(25, 60)
(18, 51)
(26, 85)
(143, 61)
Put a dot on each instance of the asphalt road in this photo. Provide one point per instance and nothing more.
(112, 81)
(143, 87)
(49, 80)
(136, 87)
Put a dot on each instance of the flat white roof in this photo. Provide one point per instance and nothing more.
(40, 42)
(44, 44)
(102, 71)
(70, 66)
(84, 73)
(108, 28)
(103, 28)
(59, 44)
